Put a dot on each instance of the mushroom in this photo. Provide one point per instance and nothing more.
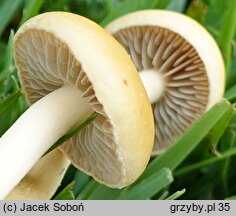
(44, 178)
(69, 68)
(179, 63)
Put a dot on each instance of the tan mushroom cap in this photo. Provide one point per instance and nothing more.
(187, 59)
(43, 179)
(58, 48)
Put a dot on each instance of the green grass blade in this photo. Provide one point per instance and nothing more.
(15, 84)
(231, 198)
(177, 6)
(226, 169)
(231, 79)
(126, 7)
(217, 131)
(111, 5)
(224, 155)
(8, 58)
(66, 193)
(227, 31)
(162, 4)
(129, 6)
(7, 11)
(87, 190)
(103, 192)
(176, 195)
(9, 111)
(9, 51)
(32, 8)
(186, 143)
(148, 187)
(81, 179)
(9, 101)
(231, 93)
(148, 4)
(72, 132)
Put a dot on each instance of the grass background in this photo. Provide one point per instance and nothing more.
(201, 164)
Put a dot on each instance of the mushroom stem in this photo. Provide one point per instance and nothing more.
(36, 131)
(154, 84)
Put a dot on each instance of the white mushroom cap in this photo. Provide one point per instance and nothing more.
(42, 181)
(186, 60)
(62, 49)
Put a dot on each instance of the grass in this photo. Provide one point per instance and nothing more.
(72, 132)
(206, 152)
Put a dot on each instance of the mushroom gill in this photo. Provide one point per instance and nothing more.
(186, 88)
(94, 149)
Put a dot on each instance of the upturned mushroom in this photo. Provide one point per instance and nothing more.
(70, 67)
(179, 63)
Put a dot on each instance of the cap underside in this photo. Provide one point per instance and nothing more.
(45, 63)
(186, 92)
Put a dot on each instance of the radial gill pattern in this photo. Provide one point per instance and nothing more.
(186, 90)
(45, 64)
